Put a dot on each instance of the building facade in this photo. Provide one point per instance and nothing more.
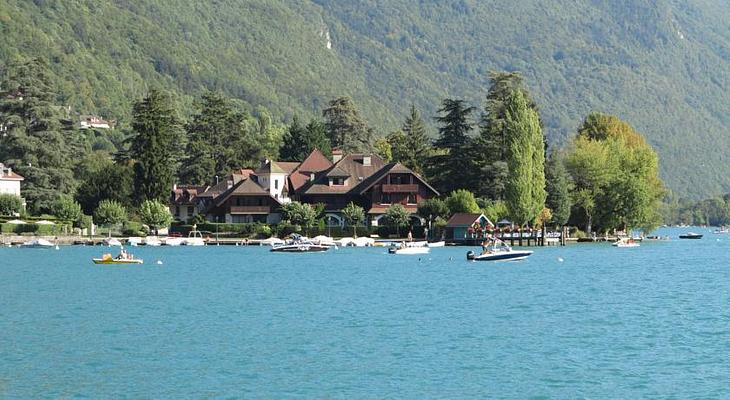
(257, 196)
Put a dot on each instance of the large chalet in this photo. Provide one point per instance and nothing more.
(256, 196)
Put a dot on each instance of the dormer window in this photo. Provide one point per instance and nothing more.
(337, 181)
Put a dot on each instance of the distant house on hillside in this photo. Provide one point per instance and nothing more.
(366, 180)
(10, 182)
(94, 122)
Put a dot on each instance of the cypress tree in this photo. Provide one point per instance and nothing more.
(525, 188)
(157, 132)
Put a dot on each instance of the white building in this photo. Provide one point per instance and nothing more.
(9, 181)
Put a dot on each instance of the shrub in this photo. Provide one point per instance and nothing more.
(10, 204)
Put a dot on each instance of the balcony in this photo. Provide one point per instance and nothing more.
(399, 189)
(250, 209)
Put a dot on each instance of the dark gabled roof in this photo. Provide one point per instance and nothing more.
(337, 172)
(186, 194)
(243, 188)
(465, 219)
(353, 165)
(390, 168)
(222, 185)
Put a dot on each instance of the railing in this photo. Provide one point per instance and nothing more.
(400, 189)
(250, 209)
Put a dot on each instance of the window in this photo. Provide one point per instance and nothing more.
(190, 210)
(385, 198)
(338, 181)
(412, 198)
(177, 211)
(276, 184)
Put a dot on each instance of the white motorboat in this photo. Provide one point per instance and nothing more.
(152, 241)
(299, 244)
(498, 251)
(173, 241)
(436, 244)
(112, 242)
(625, 242)
(272, 241)
(324, 241)
(195, 238)
(134, 241)
(406, 250)
(420, 243)
(38, 244)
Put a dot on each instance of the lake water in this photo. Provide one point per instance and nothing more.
(231, 322)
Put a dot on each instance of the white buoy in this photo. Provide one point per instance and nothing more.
(560, 259)
(159, 262)
(58, 248)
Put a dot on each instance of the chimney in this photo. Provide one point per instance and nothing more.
(174, 186)
(336, 155)
(229, 183)
(367, 161)
(311, 176)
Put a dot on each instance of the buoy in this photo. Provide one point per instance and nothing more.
(560, 259)
(58, 248)
(159, 262)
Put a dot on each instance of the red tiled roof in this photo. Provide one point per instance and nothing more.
(186, 194)
(12, 176)
(315, 162)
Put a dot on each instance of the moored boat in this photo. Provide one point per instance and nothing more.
(690, 235)
(134, 241)
(195, 238)
(112, 242)
(409, 250)
(173, 241)
(152, 241)
(625, 242)
(299, 244)
(38, 244)
(497, 250)
(436, 244)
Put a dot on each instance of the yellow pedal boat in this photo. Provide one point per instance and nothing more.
(108, 259)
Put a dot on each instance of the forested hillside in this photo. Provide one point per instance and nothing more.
(661, 65)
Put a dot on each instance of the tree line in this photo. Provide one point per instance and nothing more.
(497, 162)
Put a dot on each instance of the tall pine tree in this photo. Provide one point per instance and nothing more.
(417, 143)
(299, 141)
(447, 167)
(34, 142)
(346, 128)
(154, 146)
(558, 187)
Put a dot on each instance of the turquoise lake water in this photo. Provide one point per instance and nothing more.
(231, 322)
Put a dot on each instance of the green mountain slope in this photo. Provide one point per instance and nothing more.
(661, 65)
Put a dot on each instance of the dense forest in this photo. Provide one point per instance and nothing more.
(659, 65)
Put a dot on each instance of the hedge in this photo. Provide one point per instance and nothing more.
(43, 230)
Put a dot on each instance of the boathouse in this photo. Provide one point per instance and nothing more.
(467, 227)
